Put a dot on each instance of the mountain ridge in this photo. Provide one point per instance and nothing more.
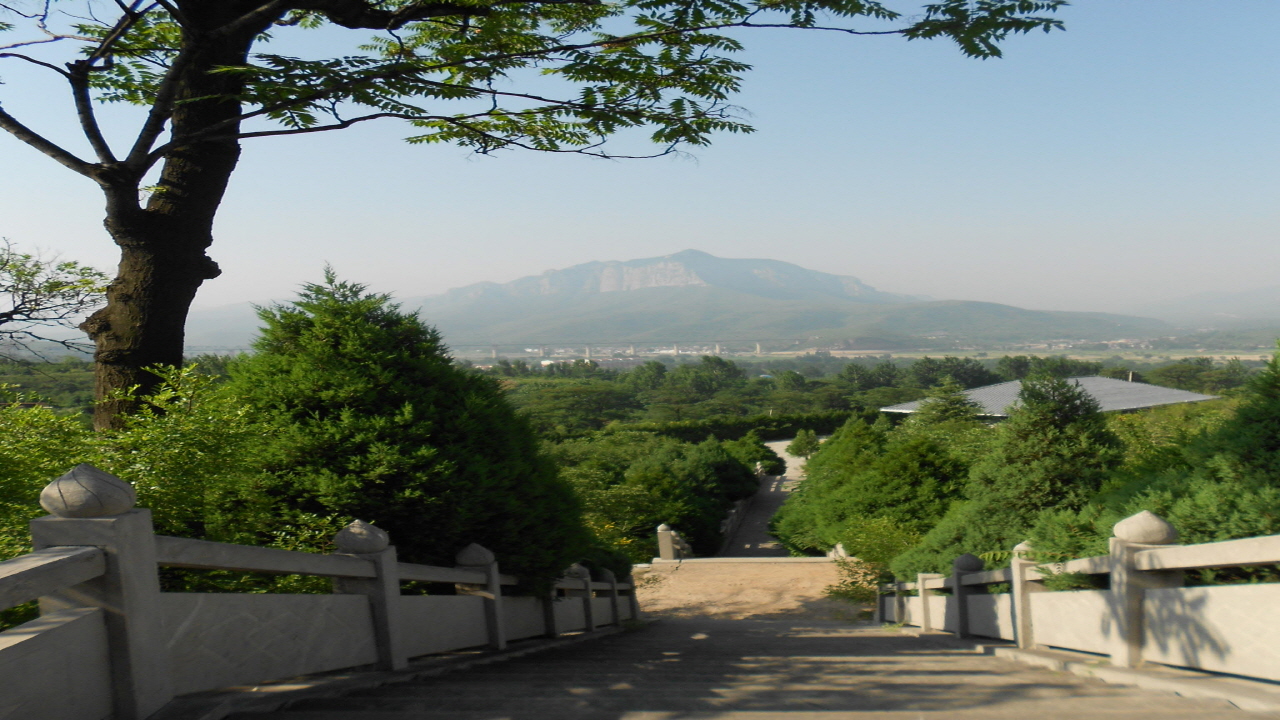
(693, 296)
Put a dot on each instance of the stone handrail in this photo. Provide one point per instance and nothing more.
(1145, 616)
(131, 648)
(29, 576)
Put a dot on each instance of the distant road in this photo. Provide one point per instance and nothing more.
(752, 538)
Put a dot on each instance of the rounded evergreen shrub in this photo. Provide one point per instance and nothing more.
(368, 418)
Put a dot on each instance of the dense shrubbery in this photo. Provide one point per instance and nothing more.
(349, 409)
(632, 482)
(874, 489)
(1057, 472)
(765, 427)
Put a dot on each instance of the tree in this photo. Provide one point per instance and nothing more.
(471, 72)
(39, 294)
(805, 444)
(928, 372)
(1053, 453)
(947, 402)
(366, 417)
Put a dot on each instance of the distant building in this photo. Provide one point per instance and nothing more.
(1112, 396)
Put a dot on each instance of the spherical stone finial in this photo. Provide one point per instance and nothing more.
(1145, 528)
(87, 492)
(577, 571)
(1022, 549)
(664, 528)
(968, 562)
(361, 538)
(475, 555)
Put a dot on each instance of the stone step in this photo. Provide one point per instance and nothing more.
(1064, 713)
(735, 699)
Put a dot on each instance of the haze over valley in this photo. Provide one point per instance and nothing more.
(695, 297)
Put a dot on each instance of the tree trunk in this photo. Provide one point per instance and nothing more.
(142, 325)
(162, 246)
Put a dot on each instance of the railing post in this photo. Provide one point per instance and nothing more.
(926, 595)
(477, 557)
(1023, 586)
(1128, 585)
(633, 598)
(371, 543)
(612, 579)
(666, 542)
(578, 572)
(94, 508)
(961, 566)
(549, 622)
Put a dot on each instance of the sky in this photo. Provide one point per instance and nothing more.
(1131, 159)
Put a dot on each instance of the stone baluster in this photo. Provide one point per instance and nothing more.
(582, 574)
(666, 542)
(610, 578)
(899, 602)
(90, 507)
(966, 564)
(549, 622)
(926, 600)
(633, 598)
(1024, 585)
(477, 557)
(1128, 585)
(371, 543)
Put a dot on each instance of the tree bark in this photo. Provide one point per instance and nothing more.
(162, 245)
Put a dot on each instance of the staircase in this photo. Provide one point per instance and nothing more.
(756, 669)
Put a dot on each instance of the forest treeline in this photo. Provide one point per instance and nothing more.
(909, 498)
(572, 398)
(349, 408)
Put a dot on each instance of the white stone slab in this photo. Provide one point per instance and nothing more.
(220, 640)
(55, 668)
(524, 617)
(991, 616)
(439, 623)
(1074, 620)
(1229, 629)
(602, 607)
(570, 615)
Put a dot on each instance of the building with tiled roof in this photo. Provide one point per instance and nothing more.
(1112, 396)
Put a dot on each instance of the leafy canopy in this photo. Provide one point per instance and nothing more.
(37, 294)
(366, 417)
(553, 75)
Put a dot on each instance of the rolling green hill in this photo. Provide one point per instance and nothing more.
(693, 296)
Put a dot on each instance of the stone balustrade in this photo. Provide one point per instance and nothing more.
(110, 644)
(671, 546)
(1146, 615)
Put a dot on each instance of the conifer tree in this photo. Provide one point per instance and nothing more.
(370, 419)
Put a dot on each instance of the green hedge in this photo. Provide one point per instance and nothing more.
(767, 427)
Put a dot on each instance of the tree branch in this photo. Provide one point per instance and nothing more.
(10, 124)
(360, 15)
(79, 79)
(19, 56)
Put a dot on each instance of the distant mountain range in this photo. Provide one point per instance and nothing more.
(1247, 308)
(692, 296)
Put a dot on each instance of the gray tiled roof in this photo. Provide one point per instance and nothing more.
(1110, 394)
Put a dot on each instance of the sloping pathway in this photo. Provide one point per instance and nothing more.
(752, 538)
(744, 640)
(764, 668)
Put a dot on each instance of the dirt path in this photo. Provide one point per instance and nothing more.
(752, 538)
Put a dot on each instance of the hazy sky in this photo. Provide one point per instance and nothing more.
(1132, 158)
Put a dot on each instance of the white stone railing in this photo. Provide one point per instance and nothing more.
(1146, 615)
(109, 644)
(671, 546)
